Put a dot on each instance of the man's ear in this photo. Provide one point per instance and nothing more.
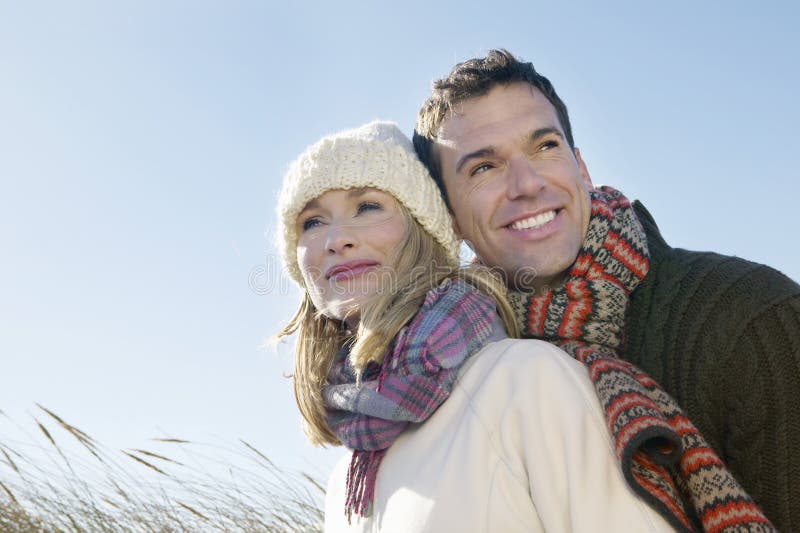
(587, 179)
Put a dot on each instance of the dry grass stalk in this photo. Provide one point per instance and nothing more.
(145, 463)
(231, 490)
(176, 441)
(193, 511)
(10, 462)
(10, 494)
(156, 456)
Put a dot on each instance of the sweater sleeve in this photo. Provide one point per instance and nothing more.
(760, 380)
(554, 430)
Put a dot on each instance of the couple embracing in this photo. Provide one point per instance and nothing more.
(578, 375)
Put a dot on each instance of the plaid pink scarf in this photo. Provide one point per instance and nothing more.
(415, 378)
(664, 457)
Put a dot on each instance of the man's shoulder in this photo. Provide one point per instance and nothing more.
(692, 299)
(679, 271)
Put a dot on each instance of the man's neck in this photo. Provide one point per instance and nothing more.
(542, 284)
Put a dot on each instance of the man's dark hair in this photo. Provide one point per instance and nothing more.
(471, 79)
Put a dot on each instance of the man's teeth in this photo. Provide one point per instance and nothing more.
(534, 222)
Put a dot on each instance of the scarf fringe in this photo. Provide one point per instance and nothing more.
(361, 477)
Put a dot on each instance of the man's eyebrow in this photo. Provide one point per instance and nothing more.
(543, 132)
(483, 152)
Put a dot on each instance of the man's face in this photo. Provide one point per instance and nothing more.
(519, 193)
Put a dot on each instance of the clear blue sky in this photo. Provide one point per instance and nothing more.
(142, 145)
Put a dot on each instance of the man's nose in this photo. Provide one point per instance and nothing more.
(523, 179)
(339, 237)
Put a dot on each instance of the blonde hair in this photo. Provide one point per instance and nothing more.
(421, 266)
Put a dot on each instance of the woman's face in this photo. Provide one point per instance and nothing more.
(346, 238)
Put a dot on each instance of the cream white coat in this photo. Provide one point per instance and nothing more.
(520, 445)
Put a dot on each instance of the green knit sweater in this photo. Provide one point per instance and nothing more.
(722, 335)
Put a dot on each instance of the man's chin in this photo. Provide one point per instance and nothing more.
(533, 278)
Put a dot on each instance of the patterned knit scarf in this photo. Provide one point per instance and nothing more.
(417, 375)
(664, 458)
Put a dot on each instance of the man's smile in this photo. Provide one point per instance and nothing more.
(535, 221)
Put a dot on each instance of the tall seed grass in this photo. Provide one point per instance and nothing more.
(59, 479)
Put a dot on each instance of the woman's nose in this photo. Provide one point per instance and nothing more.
(339, 237)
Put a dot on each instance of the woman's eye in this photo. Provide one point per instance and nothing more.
(483, 167)
(310, 223)
(363, 207)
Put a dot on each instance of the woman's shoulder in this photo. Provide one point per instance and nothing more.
(516, 362)
(514, 378)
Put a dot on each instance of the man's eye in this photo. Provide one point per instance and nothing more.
(548, 145)
(483, 167)
(310, 223)
(363, 207)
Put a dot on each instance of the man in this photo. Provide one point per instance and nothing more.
(721, 335)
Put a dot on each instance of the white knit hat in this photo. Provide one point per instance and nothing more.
(375, 155)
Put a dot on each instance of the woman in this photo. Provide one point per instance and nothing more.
(405, 359)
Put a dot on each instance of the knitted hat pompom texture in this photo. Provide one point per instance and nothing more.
(375, 155)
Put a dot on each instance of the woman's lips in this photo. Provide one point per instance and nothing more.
(349, 269)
